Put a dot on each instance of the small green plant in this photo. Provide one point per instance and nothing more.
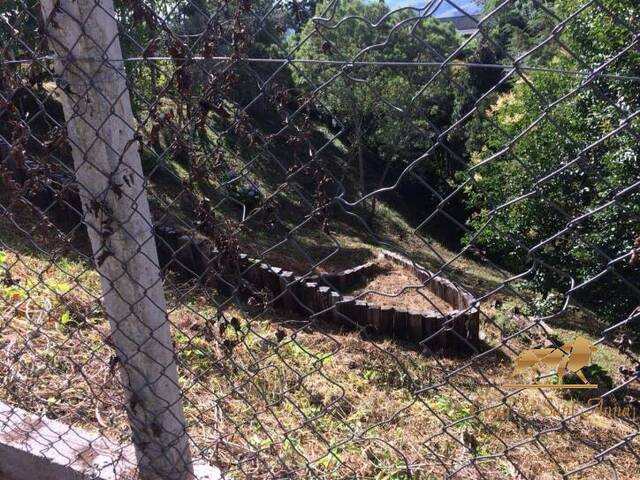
(296, 349)
(258, 442)
(371, 375)
(65, 318)
(329, 461)
(290, 444)
(60, 287)
(194, 353)
(455, 410)
(13, 293)
(325, 358)
(69, 321)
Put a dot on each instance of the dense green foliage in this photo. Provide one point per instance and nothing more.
(557, 171)
(392, 120)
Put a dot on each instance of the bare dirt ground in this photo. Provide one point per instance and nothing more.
(396, 286)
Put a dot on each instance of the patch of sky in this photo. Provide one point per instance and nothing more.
(444, 9)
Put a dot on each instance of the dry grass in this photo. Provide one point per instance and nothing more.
(279, 396)
(396, 286)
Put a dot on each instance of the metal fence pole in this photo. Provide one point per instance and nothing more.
(99, 118)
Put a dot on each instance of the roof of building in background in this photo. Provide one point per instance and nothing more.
(464, 24)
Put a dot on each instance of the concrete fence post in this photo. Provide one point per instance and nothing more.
(100, 129)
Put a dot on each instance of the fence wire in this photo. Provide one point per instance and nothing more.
(320, 239)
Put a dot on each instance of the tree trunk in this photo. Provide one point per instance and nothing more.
(359, 146)
(374, 198)
(100, 127)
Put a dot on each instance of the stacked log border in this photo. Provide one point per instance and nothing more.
(348, 279)
(321, 295)
(317, 295)
(466, 316)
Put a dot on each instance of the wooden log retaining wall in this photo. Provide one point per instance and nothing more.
(321, 294)
(347, 279)
(312, 295)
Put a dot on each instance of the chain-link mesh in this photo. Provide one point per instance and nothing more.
(320, 239)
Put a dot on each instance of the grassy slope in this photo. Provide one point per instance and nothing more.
(322, 397)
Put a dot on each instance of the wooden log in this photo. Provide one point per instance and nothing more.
(452, 298)
(429, 327)
(309, 296)
(424, 275)
(458, 332)
(334, 299)
(345, 309)
(253, 276)
(288, 300)
(275, 270)
(272, 283)
(467, 299)
(446, 293)
(360, 312)
(464, 299)
(440, 288)
(441, 337)
(431, 285)
(296, 290)
(373, 317)
(385, 325)
(323, 301)
(473, 326)
(263, 273)
(401, 324)
(461, 301)
(415, 325)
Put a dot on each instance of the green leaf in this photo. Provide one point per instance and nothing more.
(65, 318)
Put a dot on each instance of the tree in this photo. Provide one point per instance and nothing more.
(391, 121)
(586, 174)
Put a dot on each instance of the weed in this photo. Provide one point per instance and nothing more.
(454, 409)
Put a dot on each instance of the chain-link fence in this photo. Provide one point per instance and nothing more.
(319, 239)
